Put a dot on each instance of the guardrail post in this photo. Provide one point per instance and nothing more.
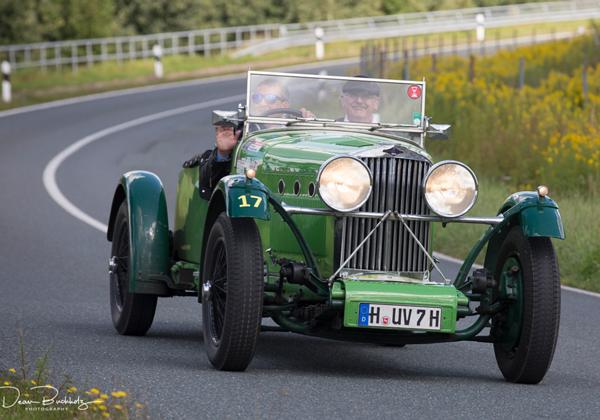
(88, 54)
(206, 40)
(145, 52)
(191, 47)
(222, 41)
(405, 75)
(471, 67)
(131, 49)
(158, 67)
(319, 45)
(119, 50)
(584, 81)
(57, 57)
(74, 58)
(43, 61)
(174, 45)
(521, 72)
(6, 88)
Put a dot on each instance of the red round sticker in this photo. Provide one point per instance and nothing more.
(414, 91)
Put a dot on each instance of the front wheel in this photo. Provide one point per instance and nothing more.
(232, 292)
(526, 331)
(132, 313)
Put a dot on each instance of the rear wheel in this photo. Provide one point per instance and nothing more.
(132, 313)
(526, 331)
(232, 292)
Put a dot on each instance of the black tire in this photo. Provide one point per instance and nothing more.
(132, 313)
(232, 292)
(524, 350)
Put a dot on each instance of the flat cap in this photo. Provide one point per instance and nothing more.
(366, 87)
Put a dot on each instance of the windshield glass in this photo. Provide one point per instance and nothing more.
(278, 98)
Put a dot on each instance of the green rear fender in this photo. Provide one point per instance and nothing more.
(148, 228)
(244, 197)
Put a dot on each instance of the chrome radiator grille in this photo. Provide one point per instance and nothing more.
(396, 186)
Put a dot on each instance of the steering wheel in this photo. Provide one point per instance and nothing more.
(289, 111)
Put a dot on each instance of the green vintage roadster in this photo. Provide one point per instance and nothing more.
(324, 226)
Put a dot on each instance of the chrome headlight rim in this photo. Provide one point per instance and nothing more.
(446, 162)
(322, 168)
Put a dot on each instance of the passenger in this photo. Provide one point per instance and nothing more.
(360, 101)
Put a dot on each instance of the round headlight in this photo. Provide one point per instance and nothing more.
(344, 183)
(450, 188)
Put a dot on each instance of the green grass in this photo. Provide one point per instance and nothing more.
(32, 86)
(578, 254)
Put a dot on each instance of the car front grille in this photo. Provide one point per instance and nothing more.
(397, 185)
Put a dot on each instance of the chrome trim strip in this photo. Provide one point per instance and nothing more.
(371, 215)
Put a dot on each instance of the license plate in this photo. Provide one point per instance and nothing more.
(399, 316)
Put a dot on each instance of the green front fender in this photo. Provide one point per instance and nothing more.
(148, 229)
(244, 197)
(537, 216)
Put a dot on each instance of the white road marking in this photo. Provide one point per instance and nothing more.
(49, 176)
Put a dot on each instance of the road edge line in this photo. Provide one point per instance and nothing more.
(568, 288)
(49, 174)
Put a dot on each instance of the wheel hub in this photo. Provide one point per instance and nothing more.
(206, 289)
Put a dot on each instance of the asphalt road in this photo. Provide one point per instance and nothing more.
(55, 287)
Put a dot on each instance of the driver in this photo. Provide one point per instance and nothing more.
(269, 94)
(216, 163)
(360, 101)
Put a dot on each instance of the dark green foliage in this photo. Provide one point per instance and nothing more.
(23, 21)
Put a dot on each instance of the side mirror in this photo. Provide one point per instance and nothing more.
(226, 118)
(439, 131)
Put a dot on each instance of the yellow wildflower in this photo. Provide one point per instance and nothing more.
(102, 407)
(71, 389)
(104, 396)
(139, 405)
(105, 415)
(6, 383)
(12, 370)
(98, 401)
(118, 407)
(94, 391)
(33, 382)
(119, 394)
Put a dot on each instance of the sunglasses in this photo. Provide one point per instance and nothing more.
(269, 98)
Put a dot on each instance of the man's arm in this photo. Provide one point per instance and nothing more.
(212, 169)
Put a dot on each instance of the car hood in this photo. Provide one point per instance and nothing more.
(305, 150)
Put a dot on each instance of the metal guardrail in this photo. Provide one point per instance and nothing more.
(258, 39)
(431, 22)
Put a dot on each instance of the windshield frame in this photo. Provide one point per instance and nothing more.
(325, 123)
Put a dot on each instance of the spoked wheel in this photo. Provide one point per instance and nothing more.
(526, 331)
(132, 313)
(232, 292)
